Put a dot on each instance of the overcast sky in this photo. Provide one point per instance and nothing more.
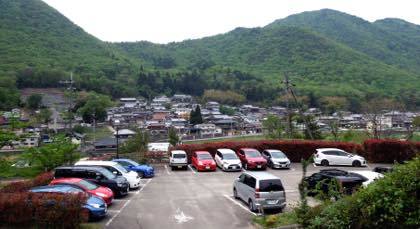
(163, 21)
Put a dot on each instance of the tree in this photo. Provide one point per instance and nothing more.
(313, 128)
(34, 101)
(94, 107)
(60, 151)
(6, 137)
(373, 108)
(195, 116)
(226, 110)
(173, 137)
(44, 116)
(137, 145)
(334, 129)
(273, 127)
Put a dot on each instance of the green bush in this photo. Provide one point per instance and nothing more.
(391, 202)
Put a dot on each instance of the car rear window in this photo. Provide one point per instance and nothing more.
(271, 185)
(179, 155)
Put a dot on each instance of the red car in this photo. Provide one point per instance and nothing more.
(105, 193)
(251, 159)
(203, 161)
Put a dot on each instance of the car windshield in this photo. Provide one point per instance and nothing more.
(87, 185)
(120, 168)
(204, 156)
(252, 154)
(271, 185)
(132, 162)
(230, 156)
(179, 155)
(278, 154)
(108, 174)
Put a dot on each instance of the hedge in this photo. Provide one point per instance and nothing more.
(376, 151)
(21, 186)
(42, 210)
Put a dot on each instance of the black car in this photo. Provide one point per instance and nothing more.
(347, 181)
(98, 175)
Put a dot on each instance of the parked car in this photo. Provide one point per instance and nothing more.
(103, 192)
(203, 161)
(132, 177)
(276, 159)
(178, 159)
(227, 160)
(251, 159)
(369, 175)
(142, 170)
(383, 169)
(260, 190)
(98, 175)
(95, 205)
(333, 156)
(348, 182)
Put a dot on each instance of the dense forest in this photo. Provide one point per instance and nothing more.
(331, 57)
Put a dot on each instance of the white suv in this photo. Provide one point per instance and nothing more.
(178, 159)
(333, 156)
(227, 160)
(131, 176)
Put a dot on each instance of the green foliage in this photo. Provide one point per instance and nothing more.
(93, 107)
(6, 137)
(49, 156)
(391, 202)
(226, 110)
(173, 137)
(137, 145)
(195, 116)
(224, 97)
(274, 221)
(34, 101)
(44, 115)
(312, 129)
(273, 127)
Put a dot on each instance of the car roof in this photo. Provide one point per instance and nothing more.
(225, 151)
(202, 152)
(81, 167)
(249, 149)
(178, 152)
(110, 163)
(273, 150)
(368, 174)
(69, 180)
(56, 188)
(261, 175)
(327, 149)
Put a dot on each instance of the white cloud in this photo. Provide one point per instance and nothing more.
(164, 21)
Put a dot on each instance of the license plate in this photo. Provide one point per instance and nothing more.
(271, 201)
(207, 167)
(259, 166)
(179, 166)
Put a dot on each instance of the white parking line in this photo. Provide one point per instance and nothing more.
(126, 203)
(240, 205)
(192, 170)
(167, 170)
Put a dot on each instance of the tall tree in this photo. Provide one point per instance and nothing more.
(273, 127)
(195, 116)
(138, 145)
(173, 137)
(34, 101)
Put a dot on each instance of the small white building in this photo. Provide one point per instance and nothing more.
(207, 129)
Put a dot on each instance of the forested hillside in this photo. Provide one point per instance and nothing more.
(329, 55)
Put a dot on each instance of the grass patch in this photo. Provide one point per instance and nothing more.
(100, 132)
(272, 221)
(13, 172)
(234, 139)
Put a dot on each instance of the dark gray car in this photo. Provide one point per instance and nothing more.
(260, 190)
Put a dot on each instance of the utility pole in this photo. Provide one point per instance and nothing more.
(289, 89)
(71, 89)
(289, 120)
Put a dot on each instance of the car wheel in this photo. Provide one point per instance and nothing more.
(325, 163)
(356, 164)
(235, 193)
(251, 206)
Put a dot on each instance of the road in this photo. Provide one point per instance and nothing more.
(188, 199)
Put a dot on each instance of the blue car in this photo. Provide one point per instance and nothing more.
(143, 170)
(95, 205)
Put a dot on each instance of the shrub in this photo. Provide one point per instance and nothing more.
(21, 186)
(294, 149)
(41, 210)
(391, 202)
(388, 151)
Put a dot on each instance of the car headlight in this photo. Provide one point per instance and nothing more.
(120, 184)
(200, 163)
(95, 205)
(101, 194)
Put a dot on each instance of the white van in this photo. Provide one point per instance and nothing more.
(178, 159)
(131, 176)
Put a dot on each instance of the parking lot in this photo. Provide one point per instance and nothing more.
(190, 199)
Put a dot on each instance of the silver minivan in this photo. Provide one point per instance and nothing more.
(260, 190)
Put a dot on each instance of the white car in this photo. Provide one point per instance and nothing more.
(131, 176)
(276, 159)
(178, 159)
(369, 175)
(333, 156)
(227, 160)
